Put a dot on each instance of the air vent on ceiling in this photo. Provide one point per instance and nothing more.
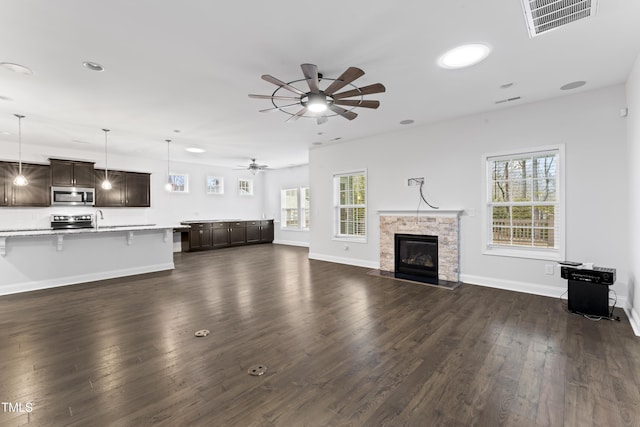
(545, 15)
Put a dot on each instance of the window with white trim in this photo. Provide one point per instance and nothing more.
(295, 208)
(350, 192)
(524, 204)
(245, 187)
(180, 182)
(215, 185)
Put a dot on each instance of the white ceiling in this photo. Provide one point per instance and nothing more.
(190, 64)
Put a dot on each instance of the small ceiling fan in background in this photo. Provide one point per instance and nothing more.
(323, 95)
(253, 167)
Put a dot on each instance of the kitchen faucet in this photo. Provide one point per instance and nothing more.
(99, 211)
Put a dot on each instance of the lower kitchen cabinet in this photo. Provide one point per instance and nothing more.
(259, 231)
(217, 234)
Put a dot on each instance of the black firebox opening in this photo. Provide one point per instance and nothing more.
(416, 256)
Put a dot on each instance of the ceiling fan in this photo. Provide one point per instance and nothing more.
(253, 167)
(322, 96)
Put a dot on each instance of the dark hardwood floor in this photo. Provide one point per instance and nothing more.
(343, 348)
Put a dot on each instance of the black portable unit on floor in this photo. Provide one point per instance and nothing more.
(588, 291)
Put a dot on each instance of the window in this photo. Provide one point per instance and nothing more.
(215, 185)
(245, 187)
(350, 191)
(524, 204)
(295, 208)
(180, 183)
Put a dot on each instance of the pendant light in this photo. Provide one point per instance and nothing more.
(20, 180)
(106, 184)
(169, 185)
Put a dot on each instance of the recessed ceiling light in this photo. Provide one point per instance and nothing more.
(93, 66)
(5, 98)
(506, 85)
(4, 132)
(573, 85)
(316, 143)
(176, 130)
(17, 68)
(195, 150)
(464, 56)
(406, 122)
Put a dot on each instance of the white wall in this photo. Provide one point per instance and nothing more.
(448, 155)
(633, 138)
(166, 208)
(274, 182)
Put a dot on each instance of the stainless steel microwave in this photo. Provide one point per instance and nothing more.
(73, 196)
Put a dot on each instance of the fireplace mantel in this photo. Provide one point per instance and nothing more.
(425, 212)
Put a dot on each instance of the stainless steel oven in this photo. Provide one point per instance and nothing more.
(72, 196)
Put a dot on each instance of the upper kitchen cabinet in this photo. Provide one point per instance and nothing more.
(36, 193)
(114, 197)
(4, 190)
(69, 173)
(128, 189)
(138, 190)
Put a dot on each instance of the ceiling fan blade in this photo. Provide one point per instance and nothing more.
(365, 90)
(310, 72)
(357, 103)
(345, 78)
(344, 113)
(270, 110)
(297, 115)
(322, 120)
(281, 98)
(282, 84)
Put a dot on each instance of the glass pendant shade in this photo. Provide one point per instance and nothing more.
(106, 185)
(20, 180)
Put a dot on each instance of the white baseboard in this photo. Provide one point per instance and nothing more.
(291, 243)
(634, 319)
(83, 278)
(348, 261)
(530, 288)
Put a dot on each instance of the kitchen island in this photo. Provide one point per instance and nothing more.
(222, 233)
(45, 258)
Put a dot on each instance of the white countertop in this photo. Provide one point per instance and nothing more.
(100, 229)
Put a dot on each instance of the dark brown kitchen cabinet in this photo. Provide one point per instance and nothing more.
(69, 173)
(200, 236)
(259, 231)
(128, 189)
(116, 195)
(138, 190)
(223, 234)
(38, 190)
(220, 234)
(237, 233)
(4, 185)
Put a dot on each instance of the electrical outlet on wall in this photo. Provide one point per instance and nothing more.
(548, 268)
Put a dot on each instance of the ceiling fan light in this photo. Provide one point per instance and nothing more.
(106, 185)
(317, 106)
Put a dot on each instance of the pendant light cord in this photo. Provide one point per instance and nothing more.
(168, 162)
(20, 117)
(106, 164)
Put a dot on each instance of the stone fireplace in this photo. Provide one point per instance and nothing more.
(442, 225)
